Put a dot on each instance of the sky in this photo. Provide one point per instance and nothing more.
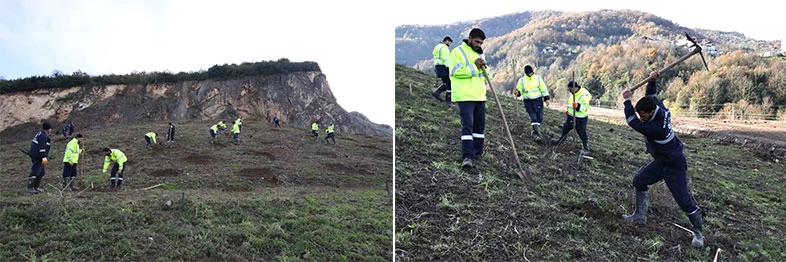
(754, 18)
(119, 37)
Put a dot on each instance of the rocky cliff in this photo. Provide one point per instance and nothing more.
(296, 98)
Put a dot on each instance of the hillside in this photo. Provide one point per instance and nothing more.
(298, 93)
(568, 210)
(277, 196)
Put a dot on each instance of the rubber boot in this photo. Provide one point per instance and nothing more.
(64, 184)
(31, 186)
(436, 94)
(119, 183)
(448, 101)
(642, 202)
(112, 184)
(696, 220)
(467, 162)
(71, 182)
(37, 185)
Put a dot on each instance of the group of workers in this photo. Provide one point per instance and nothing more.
(41, 143)
(463, 73)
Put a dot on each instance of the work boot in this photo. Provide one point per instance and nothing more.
(467, 162)
(31, 186)
(696, 220)
(112, 184)
(585, 150)
(536, 133)
(555, 141)
(71, 185)
(640, 214)
(119, 183)
(37, 185)
(436, 94)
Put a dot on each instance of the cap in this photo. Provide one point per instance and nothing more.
(47, 126)
(79, 135)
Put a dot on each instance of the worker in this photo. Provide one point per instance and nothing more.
(239, 123)
(533, 89)
(315, 130)
(330, 133)
(275, 121)
(170, 133)
(38, 153)
(213, 131)
(70, 160)
(578, 108)
(669, 162)
(441, 54)
(150, 136)
(236, 132)
(119, 159)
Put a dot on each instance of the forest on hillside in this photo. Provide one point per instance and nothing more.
(608, 50)
(78, 78)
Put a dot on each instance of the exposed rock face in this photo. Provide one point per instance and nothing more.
(296, 98)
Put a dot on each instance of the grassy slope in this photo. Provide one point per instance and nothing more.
(568, 211)
(276, 196)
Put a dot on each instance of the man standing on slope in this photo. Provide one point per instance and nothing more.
(170, 133)
(535, 93)
(466, 66)
(330, 134)
(441, 55)
(236, 132)
(578, 107)
(38, 153)
(315, 130)
(114, 155)
(669, 162)
(70, 160)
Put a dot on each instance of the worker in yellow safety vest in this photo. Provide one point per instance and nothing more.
(70, 160)
(535, 94)
(578, 109)
(116, 156)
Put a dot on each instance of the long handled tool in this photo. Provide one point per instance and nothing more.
(696, 50)
(575, 131)
(521, 172)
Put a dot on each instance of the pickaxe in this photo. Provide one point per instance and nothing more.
(521, 172)
(696, 50)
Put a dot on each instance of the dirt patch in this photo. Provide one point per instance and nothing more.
(340, 168)
(590, 208)
(198, 159)
(164, 172)
(264, 174)
(268, 155)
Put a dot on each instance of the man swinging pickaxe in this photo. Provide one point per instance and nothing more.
(696, 50)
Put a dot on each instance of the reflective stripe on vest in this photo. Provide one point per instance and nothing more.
(531, 93)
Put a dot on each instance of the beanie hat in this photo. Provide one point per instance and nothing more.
(47, 126)
(528, 70)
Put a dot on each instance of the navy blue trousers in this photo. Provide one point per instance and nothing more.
(581, 127)
(69, 170)
(38, 170)
(473, 124)
(535, 110)
(676, 180)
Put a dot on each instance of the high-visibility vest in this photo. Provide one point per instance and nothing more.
(329, 129)
(466, 79)
(532, 87)
(314, 126)
(72, 151)
(115, 156)
(583, 98)
(152, 136)
(441, 54)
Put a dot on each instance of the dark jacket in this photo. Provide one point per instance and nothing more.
(662, 142)
(39, 148)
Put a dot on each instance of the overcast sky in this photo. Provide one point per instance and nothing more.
(754, 18)
(354, 49)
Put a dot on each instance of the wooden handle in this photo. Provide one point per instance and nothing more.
(669, 66)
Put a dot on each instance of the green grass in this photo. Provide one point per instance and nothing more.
(327, 203)
(565, 210)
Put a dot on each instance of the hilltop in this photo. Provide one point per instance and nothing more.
(277, 196)
(569, 209)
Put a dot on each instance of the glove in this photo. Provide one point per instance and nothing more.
(516, 92)
(103, 175)
(70, 163)
(548, 103)
(44, 161)
(578, 107)
(83, 151)
(575, 105)
(566, 113)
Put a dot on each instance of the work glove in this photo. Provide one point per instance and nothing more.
(70, 163)
(575, 105)
(44, 161)
(548, 103)
(516, 92)
(566, 113)
(103, 175)
(83, 151)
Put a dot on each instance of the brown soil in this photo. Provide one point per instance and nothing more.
(164, 172)
(340, 168)
(264, 174)
(267, 155)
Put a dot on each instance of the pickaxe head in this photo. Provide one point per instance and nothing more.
(698, 47)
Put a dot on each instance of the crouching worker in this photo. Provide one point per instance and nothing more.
(114, 155)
